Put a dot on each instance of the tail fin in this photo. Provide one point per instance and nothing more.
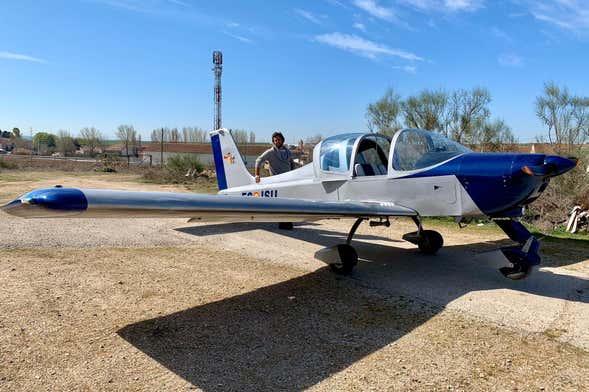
(231, 170)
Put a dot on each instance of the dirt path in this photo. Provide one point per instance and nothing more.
(162, 304)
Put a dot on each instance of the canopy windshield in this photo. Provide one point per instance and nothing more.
(416, 149)
(336, 152)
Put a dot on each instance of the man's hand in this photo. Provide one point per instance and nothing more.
(257, 178)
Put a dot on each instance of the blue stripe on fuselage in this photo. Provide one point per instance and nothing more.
(218, 157)
(494, 181)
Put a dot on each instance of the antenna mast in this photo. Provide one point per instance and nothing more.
(218, 69)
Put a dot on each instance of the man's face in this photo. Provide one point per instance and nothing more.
(278, 141)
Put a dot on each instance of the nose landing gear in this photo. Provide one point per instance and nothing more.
(523, 257)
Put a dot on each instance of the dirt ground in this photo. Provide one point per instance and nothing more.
(158, 304)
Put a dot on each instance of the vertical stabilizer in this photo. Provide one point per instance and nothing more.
(231, 170)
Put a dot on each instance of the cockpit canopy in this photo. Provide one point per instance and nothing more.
(361, 154)
(417, 149)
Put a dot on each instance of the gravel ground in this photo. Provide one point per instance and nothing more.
(164, 304)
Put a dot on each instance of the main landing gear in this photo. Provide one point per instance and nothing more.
(428, 241)
(343, 258)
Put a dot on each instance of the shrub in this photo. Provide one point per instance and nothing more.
(552, 208)
(110, 164)
(5, 164)
(181, 164)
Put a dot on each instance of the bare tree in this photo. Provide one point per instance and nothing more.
(92, 138)
(381, 116)
(65, 143)
(174, 135)
(428, 110)
(128, 136)
(566, 116)
(194, 135)
(156, 135)
(240, 136)
(252, 137)
(469, 112)
(312, 140)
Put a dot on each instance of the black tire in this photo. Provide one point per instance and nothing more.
(430, 242)
(349, 259)
(517, 272)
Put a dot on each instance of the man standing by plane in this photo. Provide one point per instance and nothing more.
(279, 158)
(280, 161)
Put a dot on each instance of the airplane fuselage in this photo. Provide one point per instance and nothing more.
(468, 185)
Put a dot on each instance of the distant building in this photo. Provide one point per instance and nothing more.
(203, 151)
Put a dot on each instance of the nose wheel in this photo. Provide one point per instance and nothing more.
(522, 257)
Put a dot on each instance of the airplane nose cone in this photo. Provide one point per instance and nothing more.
(48, 202)
(546, 166)
(559, 164)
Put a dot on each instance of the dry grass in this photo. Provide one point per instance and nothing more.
(173, 318)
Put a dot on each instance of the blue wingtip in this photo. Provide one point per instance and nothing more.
(48, 202)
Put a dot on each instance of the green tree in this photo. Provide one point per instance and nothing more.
(381, 116)
(428, 110)
(44, 143)
(16, 133)
(566, 116)
(468, 114)
(495, 135)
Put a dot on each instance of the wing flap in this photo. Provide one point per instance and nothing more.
(94, 203)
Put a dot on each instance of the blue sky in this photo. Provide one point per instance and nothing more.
(304, 67)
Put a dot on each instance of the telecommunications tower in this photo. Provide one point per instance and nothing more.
(218, 69)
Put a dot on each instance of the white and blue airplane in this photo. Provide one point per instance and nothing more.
(356, 175)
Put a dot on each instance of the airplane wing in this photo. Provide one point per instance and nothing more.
(94, 203)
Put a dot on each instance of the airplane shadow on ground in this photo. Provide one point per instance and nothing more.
(306, 232)
(294, 334)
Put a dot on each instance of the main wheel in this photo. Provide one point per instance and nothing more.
(430, 242)
(348, 258)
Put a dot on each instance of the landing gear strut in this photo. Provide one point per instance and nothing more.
(348, 258)
(341, 258)
(428, 241)
(523, 257)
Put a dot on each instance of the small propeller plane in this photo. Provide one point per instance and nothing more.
(355, 175)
